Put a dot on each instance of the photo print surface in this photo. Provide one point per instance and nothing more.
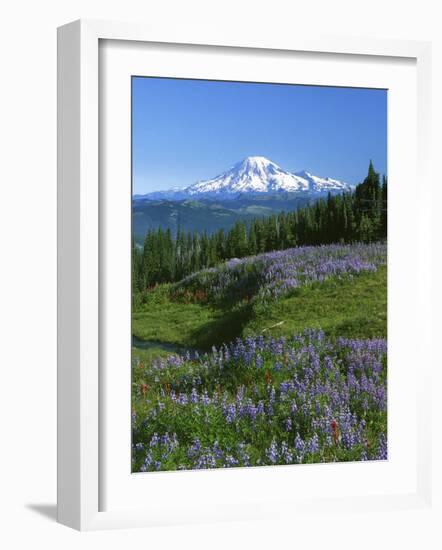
(259, 274)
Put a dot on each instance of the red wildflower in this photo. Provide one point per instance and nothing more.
(335, 431)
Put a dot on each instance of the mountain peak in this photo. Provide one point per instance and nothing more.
(256, 161)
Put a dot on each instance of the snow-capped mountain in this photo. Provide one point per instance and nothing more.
(253, 176)
(260, 175)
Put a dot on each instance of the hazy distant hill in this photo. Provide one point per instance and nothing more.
(206, 215)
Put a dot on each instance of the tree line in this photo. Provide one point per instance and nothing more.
(357, 216)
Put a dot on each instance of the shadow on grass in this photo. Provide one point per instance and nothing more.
(223, 329)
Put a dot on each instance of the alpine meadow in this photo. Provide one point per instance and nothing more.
(259, 297)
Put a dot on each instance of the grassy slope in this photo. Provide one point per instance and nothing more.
(354, 308)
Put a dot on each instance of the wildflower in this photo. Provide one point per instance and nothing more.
(272, 452)
(335, 431)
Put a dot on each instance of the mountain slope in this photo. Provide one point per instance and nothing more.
(317, 184)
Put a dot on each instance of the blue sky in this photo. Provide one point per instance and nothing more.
(189, 130)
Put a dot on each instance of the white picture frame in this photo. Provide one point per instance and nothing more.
(82, 468)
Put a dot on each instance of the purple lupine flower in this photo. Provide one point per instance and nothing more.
(154, 440)
(230, 413)
(312, 445)
(194, 396)
(272, 452)
(382, 453)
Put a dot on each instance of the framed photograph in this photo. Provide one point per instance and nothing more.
(244, 303)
